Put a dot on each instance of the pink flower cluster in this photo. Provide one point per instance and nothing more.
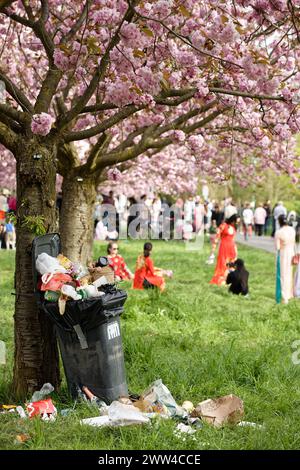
(114, 174)
(195, 142)
(41, 123)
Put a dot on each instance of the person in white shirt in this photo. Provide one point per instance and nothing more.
(247, 216)
(260, 216)
(279, 210)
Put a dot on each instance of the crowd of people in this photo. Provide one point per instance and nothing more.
(219, 220)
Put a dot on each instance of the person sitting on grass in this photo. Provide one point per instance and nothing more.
(238, 278)
(117, 263)
(146, 276)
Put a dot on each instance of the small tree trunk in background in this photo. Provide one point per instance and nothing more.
(76, 217)
(36, 354)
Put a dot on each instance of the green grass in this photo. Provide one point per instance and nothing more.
(201, 341)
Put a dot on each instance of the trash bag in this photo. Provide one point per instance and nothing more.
(48, 264)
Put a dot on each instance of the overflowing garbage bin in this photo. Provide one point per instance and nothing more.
(88, 333)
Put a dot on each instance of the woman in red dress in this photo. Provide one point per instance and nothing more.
(117, 262)
(227, 250)
(146, 275)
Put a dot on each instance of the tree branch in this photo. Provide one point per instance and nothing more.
(206, 120)
(98, 148)
(103, 126)
(8, 138)
(78, 23)
(12, 113)
(245, 94)
(16, 94)
(48, 90)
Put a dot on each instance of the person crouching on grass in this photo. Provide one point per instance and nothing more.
(238, 277)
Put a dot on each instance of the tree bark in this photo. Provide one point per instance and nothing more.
(36, 354)
(76, 217)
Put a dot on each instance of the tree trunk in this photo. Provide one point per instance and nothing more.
(76, 217)
(36, 354)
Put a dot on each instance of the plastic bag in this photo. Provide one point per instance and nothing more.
(158, 393)
(70, 291)
(47, 264)
(44, 391)
(92, 291)
(55, 281)
(51, 296)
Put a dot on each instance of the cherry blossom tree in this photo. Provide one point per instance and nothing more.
(219, 79)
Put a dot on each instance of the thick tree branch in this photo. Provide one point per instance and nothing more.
(12, 113)
(44, 11)
(103, 126)
(68, 159)
(8, 137)
(98, 148)
(10, 123)
(16, 94)
(48, 90)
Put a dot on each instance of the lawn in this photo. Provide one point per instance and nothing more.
(201, 341)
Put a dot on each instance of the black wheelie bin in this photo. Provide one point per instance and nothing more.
(88, 333)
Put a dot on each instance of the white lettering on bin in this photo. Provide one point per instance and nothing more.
(113, 330)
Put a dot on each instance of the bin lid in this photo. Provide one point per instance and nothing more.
(50, 244)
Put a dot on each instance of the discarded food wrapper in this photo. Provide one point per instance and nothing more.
(227, 409)
(64, 261)
(125, 401)
(7, 409)
(146, 406)
(187, 406)
(70, 291)
(251, 425)
(101, 281)
(92, 291)
(119, 414)
(185, 429)
(43, 408)
(46, 389)
(159, 394)
(51, 296)
(20, 410)
(21, 438)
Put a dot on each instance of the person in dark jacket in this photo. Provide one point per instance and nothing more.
(238, 278)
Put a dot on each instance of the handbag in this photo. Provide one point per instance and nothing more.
(296, 259)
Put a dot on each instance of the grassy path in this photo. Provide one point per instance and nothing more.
(201, 341)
